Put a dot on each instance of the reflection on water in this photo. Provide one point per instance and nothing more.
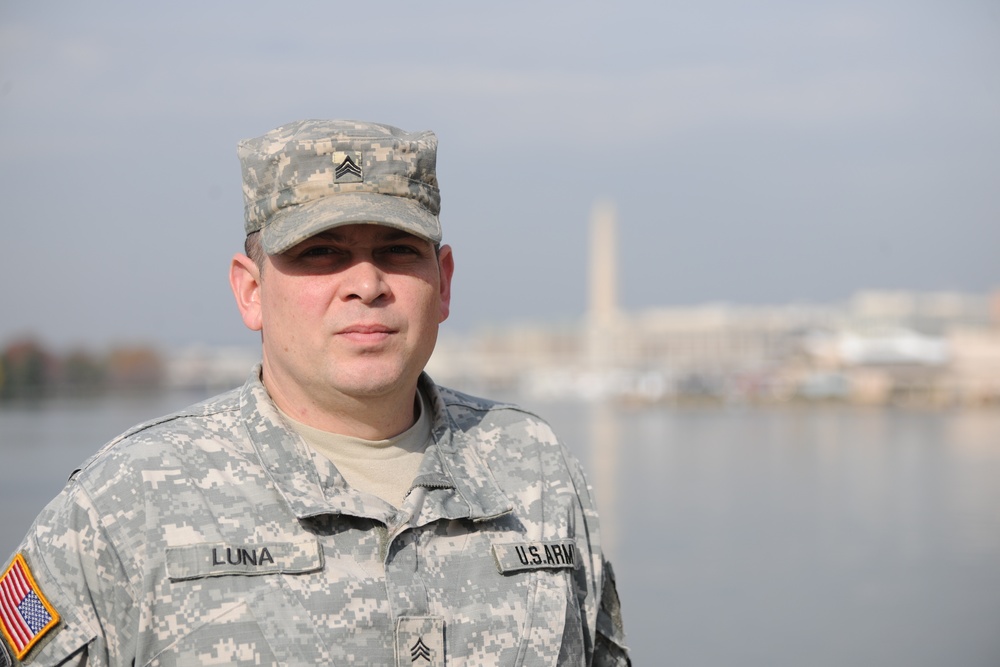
(604, 443)
(815, 536)
(810, 536)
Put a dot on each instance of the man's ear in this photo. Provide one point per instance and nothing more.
(244, 278)
(446, 266)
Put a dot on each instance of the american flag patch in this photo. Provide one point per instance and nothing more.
(25, 614)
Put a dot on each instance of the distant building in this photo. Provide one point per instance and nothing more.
(879, 347)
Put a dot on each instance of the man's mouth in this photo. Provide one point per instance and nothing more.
(366, 333)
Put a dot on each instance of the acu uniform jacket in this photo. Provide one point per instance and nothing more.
(217, 536)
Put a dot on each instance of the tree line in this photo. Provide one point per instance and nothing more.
(30, 370)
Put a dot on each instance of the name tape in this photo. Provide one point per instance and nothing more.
(219, 559)
(545, 555)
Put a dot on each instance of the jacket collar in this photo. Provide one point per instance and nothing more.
(459, 484)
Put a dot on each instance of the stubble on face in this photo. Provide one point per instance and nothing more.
(349, 319)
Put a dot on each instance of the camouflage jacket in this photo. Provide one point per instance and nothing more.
(216, 536)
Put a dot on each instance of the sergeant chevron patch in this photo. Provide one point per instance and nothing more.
(25, 614)
(348, 167)
(420, 641)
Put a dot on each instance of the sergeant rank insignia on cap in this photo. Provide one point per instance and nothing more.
(25, 614)
(348, 167)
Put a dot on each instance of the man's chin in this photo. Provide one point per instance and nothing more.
(372, 384)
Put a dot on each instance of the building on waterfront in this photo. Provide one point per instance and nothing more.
(877, 347)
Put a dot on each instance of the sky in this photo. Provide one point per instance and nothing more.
(755, 153)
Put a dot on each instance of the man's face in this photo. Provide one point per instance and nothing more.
(349, 313)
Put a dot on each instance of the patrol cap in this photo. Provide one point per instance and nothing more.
(312, 175)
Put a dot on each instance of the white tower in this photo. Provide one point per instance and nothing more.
(602, 310)
(603, 305)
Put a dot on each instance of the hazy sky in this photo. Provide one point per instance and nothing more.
(756, 152)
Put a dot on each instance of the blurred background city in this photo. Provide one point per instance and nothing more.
(744, 257)
(877, 348)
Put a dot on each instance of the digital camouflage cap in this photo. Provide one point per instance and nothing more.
(312, 175)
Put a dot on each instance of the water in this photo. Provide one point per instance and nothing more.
(781, 536)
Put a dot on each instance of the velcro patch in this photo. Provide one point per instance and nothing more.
(25, 614)
(216, 559)
(420, 641)
(548, 555)
(347, 167)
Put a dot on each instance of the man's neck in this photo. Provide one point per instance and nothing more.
(368, 418)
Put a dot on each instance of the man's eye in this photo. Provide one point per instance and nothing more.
(402, 250)
(317, 250)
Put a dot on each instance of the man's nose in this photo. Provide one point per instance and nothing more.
(364, 281)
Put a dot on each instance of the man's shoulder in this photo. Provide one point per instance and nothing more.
(458, 404)
(454, 398)
(196, 418)
(160, 439)
(518, 446)
(484, 419)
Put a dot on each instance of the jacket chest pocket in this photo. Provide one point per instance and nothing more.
(503, 605)
(552, 633)
(228, 604)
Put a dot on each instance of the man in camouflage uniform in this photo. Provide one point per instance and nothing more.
(340, 508)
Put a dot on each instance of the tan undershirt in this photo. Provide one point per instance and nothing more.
(384, 468)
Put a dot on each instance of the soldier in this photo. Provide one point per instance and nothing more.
(340, 508)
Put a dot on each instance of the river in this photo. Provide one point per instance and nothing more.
(794, 535)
